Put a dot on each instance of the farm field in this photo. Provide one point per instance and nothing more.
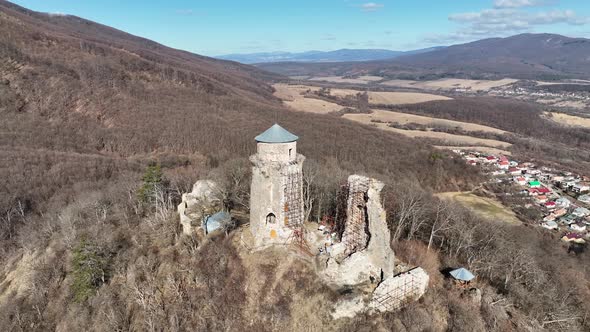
(483, 206)
(313, 105)
(288, 92)
(568, 120)
(398, 98)
(450, 139)
(291, 95)
(451, 83)
(338, 79)
(405, 118)
(483, 149)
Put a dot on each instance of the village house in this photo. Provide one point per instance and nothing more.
(568, 219)
(584, 199)
(514, 171)
(552, 225)
(532, 171)
(581, 212)
(550, 205)
(573, 237)
(563, 202)
(503, 165)
(534, 184)
(490, 159)
(578, 227)
(520, 180)
(559, 213)
(533, 192)
(581, 187)
(541, 199)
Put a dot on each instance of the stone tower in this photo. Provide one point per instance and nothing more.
(276, 192)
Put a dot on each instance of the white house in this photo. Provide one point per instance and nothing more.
(563, 202)
(581, 212)
(581, 187)
(579, 227)
(584, 198)
(550, 225)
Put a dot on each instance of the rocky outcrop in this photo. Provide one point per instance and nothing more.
(204, 200)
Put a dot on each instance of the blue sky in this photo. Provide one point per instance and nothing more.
(215, 27)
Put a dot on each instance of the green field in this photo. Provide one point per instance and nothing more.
(482, 206)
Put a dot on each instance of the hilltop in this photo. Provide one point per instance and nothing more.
(103, 132)
(341, 55)
(531, 56)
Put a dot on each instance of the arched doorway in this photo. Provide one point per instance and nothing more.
(271, 218)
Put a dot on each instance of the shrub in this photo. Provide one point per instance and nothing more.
(90, 270)
(152, 181)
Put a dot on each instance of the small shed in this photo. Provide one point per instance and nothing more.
(216, 221)
(462, 275)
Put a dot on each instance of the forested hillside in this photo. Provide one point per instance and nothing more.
(525, 56)
(87, 109)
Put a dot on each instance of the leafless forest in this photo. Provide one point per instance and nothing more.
(86, 108)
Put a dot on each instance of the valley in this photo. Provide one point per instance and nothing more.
(149, 188)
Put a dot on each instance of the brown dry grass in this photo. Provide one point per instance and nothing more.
(451, 139)
(483, 149)
(313, 105)
(288, 92)
(338, 79)
(483, 206)
(451, 83)
(568, 120)
(398, 98)
(404, 118)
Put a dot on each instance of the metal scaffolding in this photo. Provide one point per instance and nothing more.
(293, 199)
(399, 296)
(355, 235)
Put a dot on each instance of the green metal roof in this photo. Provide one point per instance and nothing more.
(535, 183)
(276, 134)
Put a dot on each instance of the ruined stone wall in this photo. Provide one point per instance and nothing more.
(395, 291)
(364, 253)
(379, 248)
(203, 200)
(355, 236)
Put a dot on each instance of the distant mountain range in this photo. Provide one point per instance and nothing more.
(535, 56)
(342, 55)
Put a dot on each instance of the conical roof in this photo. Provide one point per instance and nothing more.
(276, 134)
(462, 274)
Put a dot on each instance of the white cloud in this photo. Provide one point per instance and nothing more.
(187, 12)
(518, 3)
(502, 22)
(371, 6)
(498, 20)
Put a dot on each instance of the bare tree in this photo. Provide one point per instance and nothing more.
(311, 171)
(441, 222)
